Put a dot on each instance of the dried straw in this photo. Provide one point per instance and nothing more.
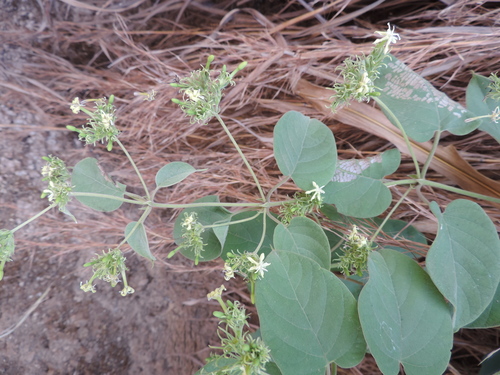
(96, 50)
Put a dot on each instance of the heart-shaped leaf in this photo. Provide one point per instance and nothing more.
(305, 150)
(307, 315)
(464, 260)
(405, 319)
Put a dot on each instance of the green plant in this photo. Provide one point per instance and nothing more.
(323, 295)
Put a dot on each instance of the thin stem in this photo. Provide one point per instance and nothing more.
(444, 187)
(215, 204)
(141, 220)
(264, 227)
(34, 217)
(396, 122)
(276, 187)
(179, 205)
(135, 168)
(410, 181)
(435, 144)
(233, 222)
(389, 215)
(112, 197)
(242, 156)
(459, 191)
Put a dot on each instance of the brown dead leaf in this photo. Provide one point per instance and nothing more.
(446, 161)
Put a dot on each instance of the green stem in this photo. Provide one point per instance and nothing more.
(216, 204)
(444, 187)
(410, 181)
(459, 191)
(264, 227)
(34, 217)
(135, 168)
(173, 205)
(252, 291)
(278, 185)
(396, 122)
(390, 214)
(112, 197)
(141, 220)
(233, 222)
(242, 156)
(435, 144)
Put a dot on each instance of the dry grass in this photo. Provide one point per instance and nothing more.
(95, 50)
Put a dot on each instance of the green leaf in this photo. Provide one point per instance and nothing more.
(404, 318)
(480, 105)
(219, 364)
(87, 177)
(464, 260)
(305, 150)
(244, 237)
(401, 229)
(490, 365)
(273, 369)
(356, 190)
(212, 238)
(308, 317)
(303, 236)
(138, 241)
(173, 173)
(491, 315)
(420, 108)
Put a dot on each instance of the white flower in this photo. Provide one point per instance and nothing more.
(127, 290)
(188, 221)
(107, 120)
(260, 265)
(228, 272)
(388, 37)
(194, 95)
(217, 293)
(316, 192)
(76, 105)
(365, 85)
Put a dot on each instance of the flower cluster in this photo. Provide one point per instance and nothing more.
(241, 353)
(6, 248)
(494, 87)
(58, 178)
(357, 248)
(202, 93)
(303, 204)
(108, 267)
(192, 230)
(101, 123)
(360, 73)
(250, 266)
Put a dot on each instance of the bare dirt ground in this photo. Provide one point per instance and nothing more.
(47, 324)
(157, 330)
(164, 328)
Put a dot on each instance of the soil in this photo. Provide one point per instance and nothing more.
(47, 324)
(163, 328)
